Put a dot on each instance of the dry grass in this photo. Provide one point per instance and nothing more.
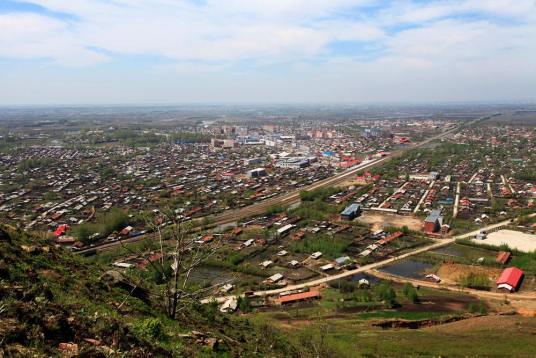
(453, 273)
(380, 220)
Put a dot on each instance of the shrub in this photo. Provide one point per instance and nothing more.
(275, 209)
(115, 220)
(150, 328)
(346, 286)
(362, 295)
(478, 308)
(476, 281)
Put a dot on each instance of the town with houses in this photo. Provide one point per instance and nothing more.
(323, 216)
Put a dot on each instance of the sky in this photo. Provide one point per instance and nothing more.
(266, 51)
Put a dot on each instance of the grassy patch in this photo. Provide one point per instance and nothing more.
(331, 247)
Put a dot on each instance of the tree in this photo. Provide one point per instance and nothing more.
(116, 219)
(410, 293)
(107, 172)
(244, 304)
(386, 294)
(84, 232)
(180, 255)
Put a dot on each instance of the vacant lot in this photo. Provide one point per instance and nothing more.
(380, 220)
(452, 272)
(514, 239)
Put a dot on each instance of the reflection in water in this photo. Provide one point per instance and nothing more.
(371, 279)
(407, 268)
(210, 275)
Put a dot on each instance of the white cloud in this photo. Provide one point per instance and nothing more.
(440, 55)
(278, 30)
(32, 36)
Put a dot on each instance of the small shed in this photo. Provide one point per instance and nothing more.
(503, 257)
(327, 267)
(61, 230)
(230, 305)
(274, 278)
(266, 263)
(316, 255)
(342, 260)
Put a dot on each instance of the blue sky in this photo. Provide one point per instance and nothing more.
(284, 51)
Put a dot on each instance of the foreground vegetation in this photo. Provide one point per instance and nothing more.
(52, 301)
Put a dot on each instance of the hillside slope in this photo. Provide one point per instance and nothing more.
(54, 303)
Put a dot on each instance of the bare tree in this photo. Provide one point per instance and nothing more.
(320, 348)
(180, 253)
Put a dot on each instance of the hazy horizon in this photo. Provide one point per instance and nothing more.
(386, 104)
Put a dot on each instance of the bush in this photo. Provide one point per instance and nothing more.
(476, 281)
(150, 328)
(478, 308)
(84, 231)
(362, 295)
(346, 286)
(275, 209)
(115, 220)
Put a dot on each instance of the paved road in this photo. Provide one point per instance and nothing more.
(439, 243)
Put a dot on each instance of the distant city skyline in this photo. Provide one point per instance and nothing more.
(137, 52)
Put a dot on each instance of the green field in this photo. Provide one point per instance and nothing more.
(338, 338)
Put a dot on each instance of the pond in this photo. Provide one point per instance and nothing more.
(408, 268)
(211, 275)
(371, 279)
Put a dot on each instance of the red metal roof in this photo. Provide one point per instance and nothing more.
(298, 296)
(60, 230)
(511, 276)
(389, 238)
(503, 257)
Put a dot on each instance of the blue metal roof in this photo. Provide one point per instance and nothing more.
(434, 215)
(349, 210)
